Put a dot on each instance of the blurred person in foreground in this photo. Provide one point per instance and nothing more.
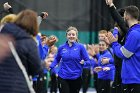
(4, 47)
(22, 30)
(7, 19)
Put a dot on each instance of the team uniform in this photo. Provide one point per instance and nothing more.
(69, 75)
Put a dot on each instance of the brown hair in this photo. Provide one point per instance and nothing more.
(133, 11)
(27, 19)
(73, 28)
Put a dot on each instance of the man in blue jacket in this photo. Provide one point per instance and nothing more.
(130, 52)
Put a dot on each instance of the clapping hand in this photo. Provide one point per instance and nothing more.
(97, 69)
(105, 60)
(52, 40)
(111, 38)
(106, 68)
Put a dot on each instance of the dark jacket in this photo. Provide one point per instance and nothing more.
(11, 77)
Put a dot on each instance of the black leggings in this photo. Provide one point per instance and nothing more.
(117, 84)
(40, 84)
(53, 84)
(131, 88)
(69, 86)
(86, 79)
(103, 86)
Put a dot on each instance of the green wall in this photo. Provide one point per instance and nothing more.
(84, 36)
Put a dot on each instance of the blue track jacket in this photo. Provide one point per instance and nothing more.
(70, 57)
(130, 53)
(106, 75)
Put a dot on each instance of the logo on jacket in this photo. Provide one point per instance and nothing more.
(75, 48)
(64, 50)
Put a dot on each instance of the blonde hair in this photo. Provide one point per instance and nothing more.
(103, 32)
(8, 18)
(53, 49)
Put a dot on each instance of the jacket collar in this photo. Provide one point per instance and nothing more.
(73, 43)
(103, 52)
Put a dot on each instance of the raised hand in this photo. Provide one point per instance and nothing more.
(111, 38)
(6, 6)
(91, 50)
(44, 15)
(106, 40)
(52, 40)
(96, 48)
(109, 2)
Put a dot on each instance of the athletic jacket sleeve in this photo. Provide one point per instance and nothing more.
(128, 49)
(85, 56)
(97, 56)
(43, 50)
(117, 17)
(115, 32)
(93, 63)
(111, 60)
(39, 20)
